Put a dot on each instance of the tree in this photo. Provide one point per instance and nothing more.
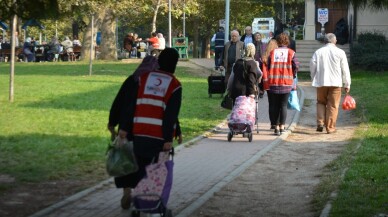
(28, 9)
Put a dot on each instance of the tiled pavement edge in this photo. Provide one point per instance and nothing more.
(202, 167)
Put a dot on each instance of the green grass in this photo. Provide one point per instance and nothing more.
(362, 191)
(56, 127)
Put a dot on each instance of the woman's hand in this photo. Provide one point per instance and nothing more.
(112, 131)
(167, 146)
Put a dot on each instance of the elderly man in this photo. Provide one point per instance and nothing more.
(248, 36)
(329, 71)
(233, 51)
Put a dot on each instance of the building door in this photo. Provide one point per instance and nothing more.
(336, 12)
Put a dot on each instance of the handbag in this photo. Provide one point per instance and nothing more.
(293, 101)
(349, 103)
(227, 102)
(120, 159)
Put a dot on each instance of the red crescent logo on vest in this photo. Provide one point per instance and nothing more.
(159, 82)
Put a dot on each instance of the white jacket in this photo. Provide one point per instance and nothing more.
(329, 67)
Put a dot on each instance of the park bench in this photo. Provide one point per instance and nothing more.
(6, 54)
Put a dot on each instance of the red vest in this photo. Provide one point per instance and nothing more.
(155, 90)
(280, 71)
(265, 77)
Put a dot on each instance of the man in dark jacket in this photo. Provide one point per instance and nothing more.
(292, 44)
(219, 42)
(233, 50)
(248, 36)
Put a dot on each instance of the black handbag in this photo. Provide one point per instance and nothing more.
(227, 102)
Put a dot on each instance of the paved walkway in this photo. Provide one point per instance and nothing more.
(202, 167)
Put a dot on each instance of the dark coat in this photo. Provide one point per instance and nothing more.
(244, 81)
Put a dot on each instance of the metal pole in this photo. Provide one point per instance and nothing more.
(282, 14)
(56, 29)
(184, 18)
(169, 23)
(91, 47)
(227, 8)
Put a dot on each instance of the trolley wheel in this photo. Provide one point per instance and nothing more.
(135, 214)
(230, 135)
(250, 137)
(167, 213)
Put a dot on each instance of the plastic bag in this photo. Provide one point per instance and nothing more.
(120, 160)
(293, 101)
(349, 103)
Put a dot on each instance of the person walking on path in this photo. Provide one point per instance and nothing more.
(260, 46)
(219, 41)
(282, 69)
(272, 44)
(245, 75)
(329, 71)
(292, 44)
(146, 109)
(248, 36)
(233, 51)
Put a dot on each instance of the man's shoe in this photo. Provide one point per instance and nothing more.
(283, 131)
(277, 132)
(126, 199)
(320, 128)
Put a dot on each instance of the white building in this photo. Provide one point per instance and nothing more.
(360, 20)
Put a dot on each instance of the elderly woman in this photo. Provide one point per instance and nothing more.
(28, 50)
(282, 67)
(245, 75)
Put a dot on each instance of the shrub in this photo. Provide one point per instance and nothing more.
(371, 37)
(370, 52)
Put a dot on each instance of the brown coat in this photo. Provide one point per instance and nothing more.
(239, 50)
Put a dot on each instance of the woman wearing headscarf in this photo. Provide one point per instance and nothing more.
(134, 114)
(28, 50)
(245, 75)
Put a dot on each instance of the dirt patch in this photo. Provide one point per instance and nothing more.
(28, 198)
(282, 182)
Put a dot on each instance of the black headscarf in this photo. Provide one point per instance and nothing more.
(168, 59)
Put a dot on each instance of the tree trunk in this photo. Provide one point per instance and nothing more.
(195, 43)
(108, 46)
(85, 51)
(207, 47)
(153, 27)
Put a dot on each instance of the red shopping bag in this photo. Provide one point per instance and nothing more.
(349, 103)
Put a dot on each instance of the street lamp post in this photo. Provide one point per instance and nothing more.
(227, 7)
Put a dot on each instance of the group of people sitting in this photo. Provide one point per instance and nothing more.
(133, 44)
(51, 51)
(33, 51)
